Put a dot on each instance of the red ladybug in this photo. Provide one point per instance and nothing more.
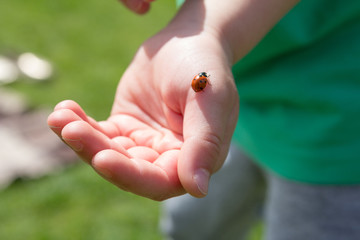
(200, 81)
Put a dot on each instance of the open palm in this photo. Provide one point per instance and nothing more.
(162, 139)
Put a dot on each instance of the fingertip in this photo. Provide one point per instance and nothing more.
(100, 163)
(75, 129)
(90, 140)
(201, 178)
(143, 8)
(52, 122)
(65, 104)
(200, 157)
(71, 134)
(74, 144)
(59, 119)
(140, 176)
(137, 6)
(198, 183)
(73, 106)
(108, 159)
(116, 168)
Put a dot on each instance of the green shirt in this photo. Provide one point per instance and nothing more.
(300, 94)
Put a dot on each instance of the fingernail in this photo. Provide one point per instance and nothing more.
(201, 178)
(103, 172)
(76, 145)
(54, 127)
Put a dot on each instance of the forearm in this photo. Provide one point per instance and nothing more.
(238, 24)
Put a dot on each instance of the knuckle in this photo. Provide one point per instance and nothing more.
(213, 145)
(213, 142)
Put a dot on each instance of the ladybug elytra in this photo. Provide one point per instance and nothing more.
(200, 81)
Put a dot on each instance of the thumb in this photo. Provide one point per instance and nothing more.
(207, 134)
(200, 158)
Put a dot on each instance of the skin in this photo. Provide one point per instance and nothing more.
(162, 139)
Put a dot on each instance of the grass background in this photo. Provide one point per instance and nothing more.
(90, 44)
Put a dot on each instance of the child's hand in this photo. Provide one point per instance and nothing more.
(162, 139)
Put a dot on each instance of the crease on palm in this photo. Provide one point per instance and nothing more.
(159, 139)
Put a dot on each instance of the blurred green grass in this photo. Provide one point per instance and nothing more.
(75, 204)
(90, 43)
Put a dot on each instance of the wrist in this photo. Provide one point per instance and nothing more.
(191, 21)
(238, 25)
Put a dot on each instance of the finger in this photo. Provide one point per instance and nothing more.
(60, 118)
(106, 127)
(207, 136)
(144, 8)
(76, 108)
(87, 141)
(137, 6)
(124, 141)
(145, 153)
(73, 106)
(160, 139)
(155, 181)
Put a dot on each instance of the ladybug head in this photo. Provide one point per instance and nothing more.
(203, 74)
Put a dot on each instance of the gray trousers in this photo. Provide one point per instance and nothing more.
(241, 193)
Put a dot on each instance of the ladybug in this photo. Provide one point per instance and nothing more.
(200, 81)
